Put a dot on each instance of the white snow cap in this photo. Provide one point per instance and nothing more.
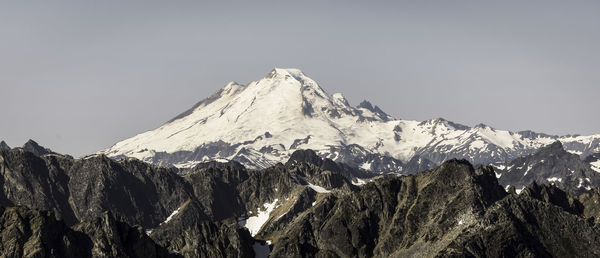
(267, 120)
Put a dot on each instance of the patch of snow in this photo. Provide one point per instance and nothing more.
(477, 145)
(499, 166)
(554, 179)
(313, 204)
(527, 171)
(255, 223)
(595, 165)
(358, 181)
(580, 185)
(318, 189)
(460, 222)
(518, 191)
(188, 164)
(171, 216)
(366, 166)
(149, 231)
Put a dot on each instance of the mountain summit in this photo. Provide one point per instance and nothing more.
(262, 123)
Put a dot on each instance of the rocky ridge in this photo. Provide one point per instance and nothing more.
(550, 165)
(307, 207)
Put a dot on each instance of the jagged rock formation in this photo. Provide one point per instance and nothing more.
(549, 165)
(32, 233)
(193, 234)
(264, 122)
(82, 189)
(452, 210)
(204, 202)
(4, 146)
(36, 149)
(307, 207)
(590, 201)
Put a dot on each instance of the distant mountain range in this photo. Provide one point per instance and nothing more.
(264, 122)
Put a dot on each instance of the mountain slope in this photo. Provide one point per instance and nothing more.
(549, 165)
(308, 206)
(262, 123)
(451, 211)
(4, 146)
(32, 233)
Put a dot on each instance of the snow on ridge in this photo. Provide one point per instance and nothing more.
(595, 165)
(554, 179)
(318, 189)
(357, 181)
(171, 216)
(255, 223)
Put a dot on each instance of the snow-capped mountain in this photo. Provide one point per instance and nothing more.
(262, 123)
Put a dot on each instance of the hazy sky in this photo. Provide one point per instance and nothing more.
(78, 76)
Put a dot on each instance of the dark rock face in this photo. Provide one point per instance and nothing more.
(82, 189)
(590, 201)
(452, 210)
(35, 148)
(32, 233)
(4, 146)
(523, 227)
(192, 234)
(208, 198)
(389, 214)
(549, 165)
(315, 210)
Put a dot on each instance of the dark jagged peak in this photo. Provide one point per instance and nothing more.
(304, 156)
(554, 195)
(4, 146)
(393, 216)
(36, 149)
(482, 126)
(32, 233)
(189, 232)
(554, 147)
(533, 135)
(375, 109)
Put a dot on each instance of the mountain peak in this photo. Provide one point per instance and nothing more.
(4, 146)
(283, 72)
(298, 114)
(35, 148)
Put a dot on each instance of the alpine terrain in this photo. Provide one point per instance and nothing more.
(264, 122)
(53, 205)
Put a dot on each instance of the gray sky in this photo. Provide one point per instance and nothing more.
(78, 76)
